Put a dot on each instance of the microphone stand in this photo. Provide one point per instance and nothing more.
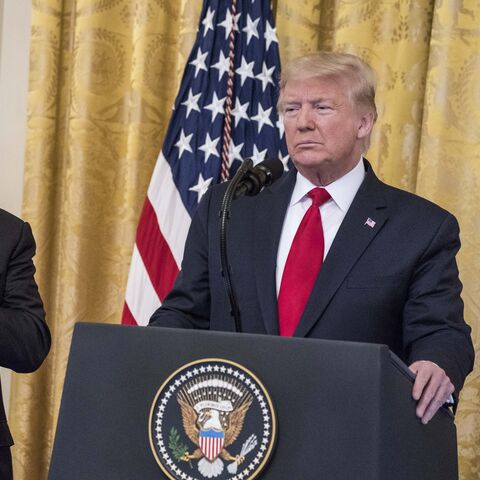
(244, 168)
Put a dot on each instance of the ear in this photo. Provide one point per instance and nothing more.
(365, 123)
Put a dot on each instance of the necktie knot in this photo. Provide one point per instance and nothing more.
(319, 196)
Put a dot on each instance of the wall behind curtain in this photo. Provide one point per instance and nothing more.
(104, 74)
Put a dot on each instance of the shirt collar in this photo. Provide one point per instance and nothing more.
(342, 191)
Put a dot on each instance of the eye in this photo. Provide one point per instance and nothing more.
(291, 109)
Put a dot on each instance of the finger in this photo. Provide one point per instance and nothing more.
(429, 392)
(443, 393)
(415, 366)
(423, 375)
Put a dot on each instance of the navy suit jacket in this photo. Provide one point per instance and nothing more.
(24, 335)
(395, 282)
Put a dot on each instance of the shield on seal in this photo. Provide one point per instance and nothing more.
(211, 443)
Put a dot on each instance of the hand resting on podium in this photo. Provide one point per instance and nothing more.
(432, 388)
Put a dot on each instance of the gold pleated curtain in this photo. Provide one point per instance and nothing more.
(103, 78)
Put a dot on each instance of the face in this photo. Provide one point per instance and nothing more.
(325, 131)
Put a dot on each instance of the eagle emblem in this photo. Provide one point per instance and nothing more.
(214, 423)
(225, 424)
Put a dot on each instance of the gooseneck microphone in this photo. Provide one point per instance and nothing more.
(249, 180)
(262, 175)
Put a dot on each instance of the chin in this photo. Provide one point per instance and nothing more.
(309, 161)
(319, 172)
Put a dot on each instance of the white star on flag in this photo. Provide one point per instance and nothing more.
(184, 143)
(217, 106)
(257, 156)
(251, 28)
(266, 76)
(202, 186)
(207, 22)
(245, 71)
(263, 117)
(240, 111)
(222, 65)
(284, 159)
(209, 147)
(270, 35)
(280, 125)
(234, 152)
(192, 102)
(227, 23)
(199, 62)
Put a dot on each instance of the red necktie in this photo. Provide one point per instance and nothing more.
(303, 265)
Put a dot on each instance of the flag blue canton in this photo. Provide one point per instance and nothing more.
(194, 140)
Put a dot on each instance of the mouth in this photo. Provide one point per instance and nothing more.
(307, 144)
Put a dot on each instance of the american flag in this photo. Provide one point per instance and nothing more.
(225, 111)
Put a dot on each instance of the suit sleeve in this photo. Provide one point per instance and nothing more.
(24, 335)
(188, 303)
(434, 328)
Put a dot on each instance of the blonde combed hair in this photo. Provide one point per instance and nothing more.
(358, 75)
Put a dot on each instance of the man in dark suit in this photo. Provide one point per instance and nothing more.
(24, 335)
(384, 270)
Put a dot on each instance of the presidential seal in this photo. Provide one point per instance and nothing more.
(212, 419)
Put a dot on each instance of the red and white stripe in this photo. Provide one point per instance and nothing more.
(211, 446)
(158, 250)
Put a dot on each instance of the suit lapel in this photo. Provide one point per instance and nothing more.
(269, 216)
(363, 221)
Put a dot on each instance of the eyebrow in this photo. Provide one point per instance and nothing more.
(315, 100)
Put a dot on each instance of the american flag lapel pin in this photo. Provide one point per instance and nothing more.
(371, 223)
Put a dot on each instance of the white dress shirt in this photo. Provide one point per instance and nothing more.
(342, 192)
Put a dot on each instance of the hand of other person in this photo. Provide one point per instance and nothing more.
(432, 388)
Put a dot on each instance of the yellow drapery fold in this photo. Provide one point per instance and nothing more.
(104, 74)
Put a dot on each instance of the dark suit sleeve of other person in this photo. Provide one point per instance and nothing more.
(433, 325)
(24, 335)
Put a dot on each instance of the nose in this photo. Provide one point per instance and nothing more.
(305, 119)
